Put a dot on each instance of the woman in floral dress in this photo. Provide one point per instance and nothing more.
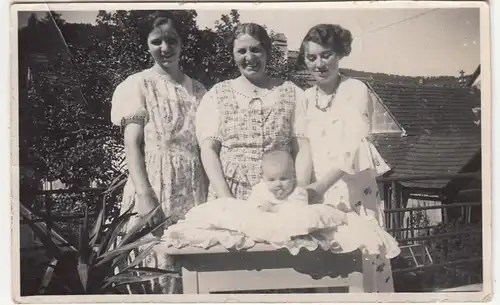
(345, 163)
(240, 119)
(156, 109)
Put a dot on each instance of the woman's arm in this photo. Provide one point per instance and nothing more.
(133, 137)
(207, 134)
(147, 199)
(300, 143)
(327, 181)
(303, 160)
(210, 150)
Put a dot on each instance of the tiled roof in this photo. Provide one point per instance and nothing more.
(441, 135)
(427, 155)
(428, 110)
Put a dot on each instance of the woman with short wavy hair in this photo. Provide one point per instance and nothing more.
(345, 163)
(240, 119)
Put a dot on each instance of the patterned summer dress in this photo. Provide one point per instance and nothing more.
(247, 127)
(171, 152)
(339, 136)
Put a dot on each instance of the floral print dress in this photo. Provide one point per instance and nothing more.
(173, 163)
(339, 136)
(247, 126)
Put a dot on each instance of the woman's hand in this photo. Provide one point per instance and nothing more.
(148, 201)
(315, 192)
(312, 196)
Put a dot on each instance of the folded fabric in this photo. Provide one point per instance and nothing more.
(237, 224)
(285, 222)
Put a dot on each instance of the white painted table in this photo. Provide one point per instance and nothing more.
(265, 268)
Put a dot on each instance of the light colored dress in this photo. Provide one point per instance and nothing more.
(247, 126)
(260, 194)
(173, 163)
(340, 136)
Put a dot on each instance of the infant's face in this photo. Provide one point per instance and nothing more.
(279, 180)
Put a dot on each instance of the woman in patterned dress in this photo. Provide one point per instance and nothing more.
(345, 163)
(240, 119)
(156, 109)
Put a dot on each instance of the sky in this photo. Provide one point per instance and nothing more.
(411, 41)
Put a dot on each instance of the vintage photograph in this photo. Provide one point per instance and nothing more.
(271, 150)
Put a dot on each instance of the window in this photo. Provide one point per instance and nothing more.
(418, 254)
(382, 120)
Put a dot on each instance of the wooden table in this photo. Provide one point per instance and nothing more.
(265, 268)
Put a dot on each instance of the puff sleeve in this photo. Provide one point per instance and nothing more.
(128, 103)
(207, 119)
(358, 153)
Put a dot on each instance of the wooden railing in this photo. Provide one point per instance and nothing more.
(432, 248)
(60, 225)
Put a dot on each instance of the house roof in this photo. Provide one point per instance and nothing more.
(441, 136)
(426, 110)
(427, 155)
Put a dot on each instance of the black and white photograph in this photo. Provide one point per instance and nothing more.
(251, 152)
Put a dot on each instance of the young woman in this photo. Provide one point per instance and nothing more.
(345, 163)
(156, 109)
(240, 119)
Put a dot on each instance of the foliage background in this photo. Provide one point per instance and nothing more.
(65, 129)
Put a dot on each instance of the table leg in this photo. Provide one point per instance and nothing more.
(190, 282)
(356, 283)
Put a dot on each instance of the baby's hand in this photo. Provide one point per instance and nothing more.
(265, 206)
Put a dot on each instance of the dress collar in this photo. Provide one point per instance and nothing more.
(249, 93)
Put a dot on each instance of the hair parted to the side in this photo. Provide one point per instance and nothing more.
(156, 19)
(332, 36)
(256, 31)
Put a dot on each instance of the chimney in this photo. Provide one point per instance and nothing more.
(280, 40)
(462, 79)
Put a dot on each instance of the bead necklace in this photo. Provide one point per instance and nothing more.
(330, 101)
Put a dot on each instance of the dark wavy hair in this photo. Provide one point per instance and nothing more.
(256, 31)
(332, 36)
(155, 19)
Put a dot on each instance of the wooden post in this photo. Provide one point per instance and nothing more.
(394, 205)
(387, 205)
(48, 213)
(403, 197)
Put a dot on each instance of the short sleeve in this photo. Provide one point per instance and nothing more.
(357, 153)
(128, 102)
(299, 121)
(208, 117)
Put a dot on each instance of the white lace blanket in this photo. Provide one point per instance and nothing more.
(237, 224)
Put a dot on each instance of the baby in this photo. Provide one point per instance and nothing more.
(278, 185)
